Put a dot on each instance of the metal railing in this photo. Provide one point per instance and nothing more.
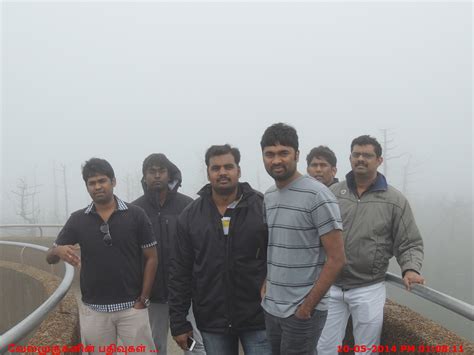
(23, 328)
(39, 226)
(27, 325)
(453, 304)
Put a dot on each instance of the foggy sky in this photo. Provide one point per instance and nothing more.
(122, 80)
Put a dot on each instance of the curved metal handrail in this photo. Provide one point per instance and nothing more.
(24, 327)
(457, 306)
(39, 226)
(453, 304)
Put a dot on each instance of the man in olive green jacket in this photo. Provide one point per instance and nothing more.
(378, 223)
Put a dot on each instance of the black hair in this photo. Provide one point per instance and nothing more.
(158, 159)
(97, 166)
(366, 140)
(215, 150)
(280, 133)
(322, 152)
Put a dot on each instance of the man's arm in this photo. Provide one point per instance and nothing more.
(151, 262)
(180, 284)
(334, 247)
(264, 248)
(263, 289)
(66, 253)
(65, 248)
(408, 246)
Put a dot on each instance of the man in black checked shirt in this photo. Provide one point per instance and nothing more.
(118, 262)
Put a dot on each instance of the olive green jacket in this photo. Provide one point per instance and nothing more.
(377, 225)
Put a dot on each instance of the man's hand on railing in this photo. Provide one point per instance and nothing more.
(411, 277)
(68, 254)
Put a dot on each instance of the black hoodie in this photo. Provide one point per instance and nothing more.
(164, 219)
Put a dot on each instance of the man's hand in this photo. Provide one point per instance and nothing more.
(139, 305)
(302, 312)
(182, 340)
(68, 254)
(263, 289)
(411, 277)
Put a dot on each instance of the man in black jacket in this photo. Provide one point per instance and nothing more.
(163, 203)
(220, 262)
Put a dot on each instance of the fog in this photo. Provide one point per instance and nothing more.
(121, 80)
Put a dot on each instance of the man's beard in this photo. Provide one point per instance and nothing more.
(285, 175)
(225, 191)
(157, 188)
(102, 199)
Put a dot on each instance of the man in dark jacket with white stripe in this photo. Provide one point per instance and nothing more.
(220, 262)
(163, 203)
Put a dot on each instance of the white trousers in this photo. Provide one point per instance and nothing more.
(365, 304)
(102, 329)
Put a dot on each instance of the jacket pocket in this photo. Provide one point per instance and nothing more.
(380, 263)
(382, 253)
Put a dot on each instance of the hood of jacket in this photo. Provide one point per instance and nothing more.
(173, 172)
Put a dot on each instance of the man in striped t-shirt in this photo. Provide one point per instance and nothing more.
(305, 248)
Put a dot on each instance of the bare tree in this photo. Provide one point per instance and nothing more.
(410, 169)
(56, 191)
(55, 194)
(28, 208)
(201, 179)
(66, 199)
(387, 149)
(132, 186)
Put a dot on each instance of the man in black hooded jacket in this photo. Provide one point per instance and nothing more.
(220, 262)
(163, 203)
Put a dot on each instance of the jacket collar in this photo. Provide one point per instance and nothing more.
(380, 183)
(335, 180)
(244, 192)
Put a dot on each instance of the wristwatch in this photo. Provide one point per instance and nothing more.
(144, 300)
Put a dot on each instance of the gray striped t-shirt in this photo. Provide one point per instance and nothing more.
(297, 215)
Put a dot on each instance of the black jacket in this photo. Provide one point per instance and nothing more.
(164, 219)
(221, 274)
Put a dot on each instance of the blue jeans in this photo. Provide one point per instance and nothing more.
(254, 343)
(294, 336)
(159, 322)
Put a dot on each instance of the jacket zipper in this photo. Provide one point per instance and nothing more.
(161, 256)
(350, 228)
(228, 254)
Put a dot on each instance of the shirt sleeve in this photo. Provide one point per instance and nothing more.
(325, 212)
(68, 234)
(180, 278)
(146, 237)
(408, 244)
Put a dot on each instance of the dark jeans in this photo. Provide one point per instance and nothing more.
(293, 336)
(254, 343)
